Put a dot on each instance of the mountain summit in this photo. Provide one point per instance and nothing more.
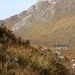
(47, 22)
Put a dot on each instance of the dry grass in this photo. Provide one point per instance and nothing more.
(69, 54)
(38, 60)
(33, 61)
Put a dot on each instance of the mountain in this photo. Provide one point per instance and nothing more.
(47, 22)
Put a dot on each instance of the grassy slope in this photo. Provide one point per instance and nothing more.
(44, 59)
(32, 60)
(49, 34)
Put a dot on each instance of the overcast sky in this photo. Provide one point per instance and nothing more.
(12, 7)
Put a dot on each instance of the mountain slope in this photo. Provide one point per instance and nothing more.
(47, 22)
(62, 31)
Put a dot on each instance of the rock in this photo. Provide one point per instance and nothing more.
(73, 65)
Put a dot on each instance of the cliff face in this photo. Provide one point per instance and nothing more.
(46, 22)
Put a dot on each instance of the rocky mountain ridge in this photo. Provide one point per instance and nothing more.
(46, 22)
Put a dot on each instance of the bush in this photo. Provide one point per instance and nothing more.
(22, 61)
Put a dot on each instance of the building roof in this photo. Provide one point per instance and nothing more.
(61, 45)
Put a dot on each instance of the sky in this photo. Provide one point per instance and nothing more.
(11, 7)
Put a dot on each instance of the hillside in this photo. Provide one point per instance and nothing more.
(17, 58)
(47, 22)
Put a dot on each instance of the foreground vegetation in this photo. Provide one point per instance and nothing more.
(18, 57)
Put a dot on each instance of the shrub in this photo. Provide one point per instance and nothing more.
(22, 61)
